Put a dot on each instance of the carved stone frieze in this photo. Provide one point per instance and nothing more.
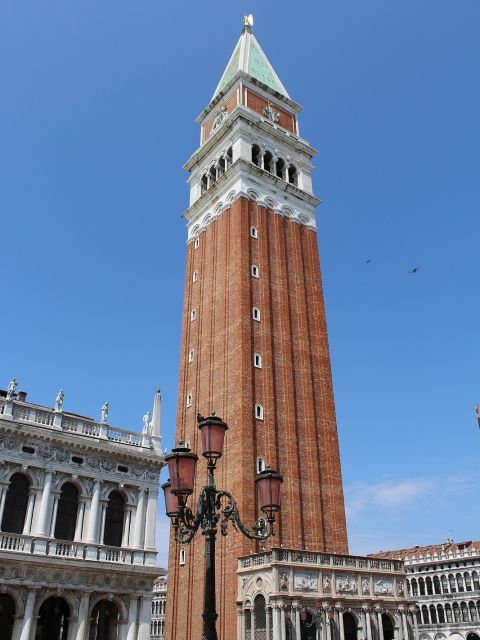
(346, 584)
(305, 582)
(383, 586)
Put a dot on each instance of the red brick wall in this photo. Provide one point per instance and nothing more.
(257, 104)
(298, 436)
(231, 103)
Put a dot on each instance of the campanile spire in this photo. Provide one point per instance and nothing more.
(254, 338)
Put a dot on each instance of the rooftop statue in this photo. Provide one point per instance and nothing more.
(104, 413)
(12, 389)
(59, 401)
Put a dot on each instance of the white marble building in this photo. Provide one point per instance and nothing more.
(286, 594)
(444, 580)
(159, 602)
(78, 503)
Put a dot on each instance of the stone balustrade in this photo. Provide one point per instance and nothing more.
(70, 423)
(31, 545)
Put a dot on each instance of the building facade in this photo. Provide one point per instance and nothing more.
(444, 580)
(255, 349)
(78, 501)
(159, 602)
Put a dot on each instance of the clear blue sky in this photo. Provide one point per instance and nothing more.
(97, 109)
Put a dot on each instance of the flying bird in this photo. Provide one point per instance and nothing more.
(415, 269)
(369, 260)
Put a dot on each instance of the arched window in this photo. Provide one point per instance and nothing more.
(464, 612)
(256, 314)
(7, 613)
(268, 162)
(456, 612)
(414, 587)
(349, 626)
(259, 412)
(476, 581)
(461, 588)
(256, 155)
(67, 512)
(112, 535)
(421, 586)
(53, 620)
(468, 581)
(436, 585)
(260, 465)
(425, 619)
(292, 175)
(453, 584)
(428, 584)
(212, 174)
(260, 613)
(433, 614)
(441, 614)
(448, 613)
(387, 627)
(257, 360)
(16, 502)
(280, 169)
(105, 621)
(255, 271)
(444, 584)
(204, 183)
(473, 612)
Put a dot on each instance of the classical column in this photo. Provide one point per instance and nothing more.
(252, 623)
(126, 526)
(42, 525)
(82, 617)
(144, 622)
(239, 623)
(151, 520)
(102, 522)
(28, 616)
(132, 619)
(298, 630)
(27, 525)
(268, 623)
(276, 624)
(404, 625)
(341, 627)
(139, 521)
(380, 624)
(282, 624)
(92, 531)
(2, 502)
(368, 625)
(54, 516)
(80, 518)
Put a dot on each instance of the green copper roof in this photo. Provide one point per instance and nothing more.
(249, 57)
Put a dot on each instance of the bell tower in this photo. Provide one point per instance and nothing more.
(254, 338)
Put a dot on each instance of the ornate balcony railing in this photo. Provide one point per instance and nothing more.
(70, 423)
(30, 545)
(320, 559)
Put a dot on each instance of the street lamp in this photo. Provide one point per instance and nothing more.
(213, 505)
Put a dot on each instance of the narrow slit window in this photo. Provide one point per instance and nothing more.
(260, 465)
(256, 314)
(195, 276)
(191, 353)
(196, 244)
(255, 271)
(257, 360)
(254, 232)
(259, 411)
(193, 315)
(182, 556)
(189, 399)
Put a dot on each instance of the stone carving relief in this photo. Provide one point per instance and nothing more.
(52, 454)
(284, 581)
(270, 113)
(305, 582)
(220, 117)
(383, 586)
(346, 584)
(400, 587)
(365, 586)
(327, 584)
(9, 444)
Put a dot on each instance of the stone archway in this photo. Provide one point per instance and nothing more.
(388, 627)
(349, 626)
(53, 617)
(472, 636)
(308, 628)
(105, 621)
(7, 613)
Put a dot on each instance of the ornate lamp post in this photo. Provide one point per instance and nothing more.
(213, 506)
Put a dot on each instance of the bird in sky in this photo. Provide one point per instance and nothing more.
(369, 260)
(415, 269)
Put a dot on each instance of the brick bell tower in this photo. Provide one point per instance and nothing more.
(254, 337)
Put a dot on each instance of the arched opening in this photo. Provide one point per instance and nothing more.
(67, 512)
(268, 161)
(436, 585)
(105, 621)
(280, 168)
(425, 618)
(476, 581)
(260, 613)
(16, 504)
(248, 624)
(464, 609)
(292, 175)
(213, 174)
(349, 627)
(441, 614)
(433, 614)
(7, 612)
(461, 588)
(112, 535)
(428, 583)
(448, 613)
(204, 183)
(421, 586)
(414, 587)
(256, 155)
(53, 620)
(457, 613)
(453, 584)
(444, 584)
(387, 626)
(308, 628)
(472, 636)
(473, 612)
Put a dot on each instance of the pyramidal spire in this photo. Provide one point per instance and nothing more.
(248, 56)
(155, 422)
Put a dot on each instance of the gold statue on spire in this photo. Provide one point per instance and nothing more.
(248, 21)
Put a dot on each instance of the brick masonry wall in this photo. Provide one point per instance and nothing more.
(298, 435)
